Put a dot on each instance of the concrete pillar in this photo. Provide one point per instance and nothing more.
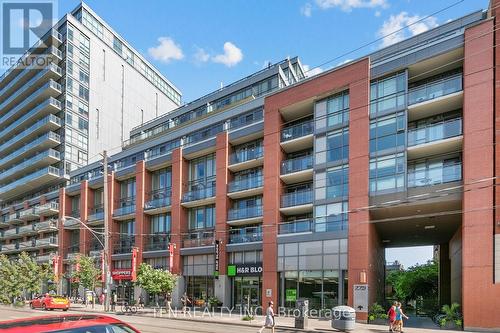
(178, 213)
(178, 292)
(444, 274)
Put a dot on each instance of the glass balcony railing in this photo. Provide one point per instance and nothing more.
(37, 174)
(73, 249)
(246, 155)
(246, 184)
(157, 242)
(199, 194)
(46, 226)
(244, 213)
(297, 164)
(124, 245)
(297, 198)
(294, 227)
(297, 131)
(29, 162)
(30, 212)
(436, 175)
(96, 214)
(434, 132)
(44, 242)
(31, 129)
(124, 210)
(431, 90)
(158, 199)
(245, 235)
(30, 146)
(198, 238)
(49, 206)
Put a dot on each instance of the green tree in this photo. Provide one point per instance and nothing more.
(417, 281)
(10, 282)
(88, 274)
(155, 281)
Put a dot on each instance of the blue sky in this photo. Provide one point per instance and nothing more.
(200, 44)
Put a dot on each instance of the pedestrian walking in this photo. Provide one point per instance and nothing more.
(398, 324)
(141, 302)
(269, 320)
(114, 299)
(168, 303)
(185, 301)
(391, 314)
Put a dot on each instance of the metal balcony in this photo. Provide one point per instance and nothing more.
(198, 239)
(297, 137)
(126, 209)
(14, 218)
(297, 202)
(435, 175)
(159, 201)
(28, 182)
(244, 187)
(49, 208)
(245, 235)
(45, 158)
(435, 139)
(46, 226)
(294, 227)
(96, 215)
(199, 197)
(246, 159)
(124, 245)
(297, 170)
(247, 215)
(157, 242)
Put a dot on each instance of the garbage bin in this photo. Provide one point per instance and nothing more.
(301, 314)
(343, 318)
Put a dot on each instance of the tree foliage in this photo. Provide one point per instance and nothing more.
(87, 275)
(155, 281)
(417, 281)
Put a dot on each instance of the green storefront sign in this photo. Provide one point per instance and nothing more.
(291, 295)
(231, 270)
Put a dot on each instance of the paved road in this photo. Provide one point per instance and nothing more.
(148, 325)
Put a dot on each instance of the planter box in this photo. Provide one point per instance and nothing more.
(379, 321)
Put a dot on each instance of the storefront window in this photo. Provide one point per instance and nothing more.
(199, 289)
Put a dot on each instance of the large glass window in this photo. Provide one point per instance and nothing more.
(202, 217)
(161, 179)
(338, 145)
(160, 224)
(337, 182)
(202, 172)
(127, 189)
(387, 172)
(331, 217)
(434, 171)
(388, 94)
(387, 132)
(338, 109)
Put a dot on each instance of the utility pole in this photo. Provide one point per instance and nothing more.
(107, 272)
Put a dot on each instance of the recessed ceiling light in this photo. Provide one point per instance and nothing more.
(386, 241)
(429, 227)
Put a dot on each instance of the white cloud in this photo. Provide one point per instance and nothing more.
(349, 5)
(393, 30)
(378, 13)
(306, 10)
(311, 71)
(166, 51)
(232, 55)
(201, 55)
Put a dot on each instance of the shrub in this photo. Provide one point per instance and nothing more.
(248, 318)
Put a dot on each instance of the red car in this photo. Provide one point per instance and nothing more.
(67, 324)
(50, 302)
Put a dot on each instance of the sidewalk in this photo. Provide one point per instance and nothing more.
(314, 325)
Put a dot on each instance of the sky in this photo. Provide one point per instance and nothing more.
(409, 256)
(199, 45)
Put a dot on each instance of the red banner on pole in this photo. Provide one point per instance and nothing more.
(134, 265)
(55, 263)
(103, 275)
(170, 256)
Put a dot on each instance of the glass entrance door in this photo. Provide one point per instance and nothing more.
(246, 292)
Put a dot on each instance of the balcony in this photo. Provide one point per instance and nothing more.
(49, 242)
(298, 202)
(43, 259)
(124, 245)
(10, 248)
(73, 255)
(27, 230)
(46, 226)
(46, 141)
(14, 218)
(157, 242)
(71, 224)
(296, 227)
(247, 215)
(246, 159)
(444, 94)
(297, 137)
(200, 197)
(126, 208)
(428, 176)
(245, 235)
(159, 201)
(40, 160)
(96, 215)
(435, 139)
(297, 170)
(29, 214)
(11, 233)
(50, 106)
(198, 239)
(96, 247)
(245, 187)
(46, 124)
(33, 180)
(49, 209)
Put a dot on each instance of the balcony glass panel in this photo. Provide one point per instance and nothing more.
(199, 238)
(247, 155)
(50, 170)
(199, 194)
(124, 245)
(294, 227)
(96, 213)
(50, 153)
(245, 235)
(158, 199)
(434, 89)
(245, 184)
(127, 208)
(297, 164)
(434, 173)
(297, 198)
(244, 213)
(157, 242)
(297, 131)
(30, 146)
(436, 131)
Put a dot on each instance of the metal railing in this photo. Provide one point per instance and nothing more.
(46, 226)
(31, 161)
(124, 245)
(244, 213)
(157, 242)
(296, 164)
(30, 146)
(125, 210)
(431, 90)
(297, 198)
(246, 155)
(48, 170)
(297, 131)
(198, 238)
(297, 226)
(158, 198)
(96, 214)
(199, 194)
(245, 235)
(246, 183)
(435, 175)
(52, 205)
(434, 132)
